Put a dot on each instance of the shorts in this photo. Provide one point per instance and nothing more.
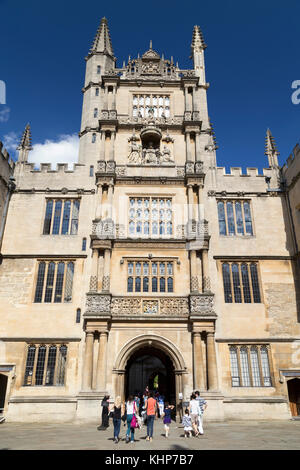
(188, 428)
(194, 419)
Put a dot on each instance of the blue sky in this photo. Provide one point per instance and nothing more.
(252, 59)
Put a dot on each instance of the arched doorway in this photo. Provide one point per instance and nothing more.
(294, 396)
(152, 367)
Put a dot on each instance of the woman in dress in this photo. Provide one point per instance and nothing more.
(105, 413)
(194, 413)
(167, 417)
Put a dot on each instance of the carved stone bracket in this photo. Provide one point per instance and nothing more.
(202, 305)
(169, 306)
(106, 167)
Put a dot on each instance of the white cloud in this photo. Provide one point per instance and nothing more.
(11, 141)
(63, 150)
(4, 114)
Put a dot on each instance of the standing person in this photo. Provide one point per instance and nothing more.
(118, 410)
(151, 408)
(194, 412)
(161, 404)
(187, 424)
(202, 406)
(167, 417)
(131, 410)
(105, 414)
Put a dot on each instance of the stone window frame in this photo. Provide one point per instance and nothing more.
(240, 263)
(150, 276)
(57, 382)
(150, 94)
(63, 200)
(150, 220)
(266, 381)
(61, 292)
(234, 201)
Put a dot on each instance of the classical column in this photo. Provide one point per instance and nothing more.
(105, 99)
(188, 146)
(106, 271)
(88, 361)
(194, 99)
(200, 203)
(110, 200)
(205, 271)
(197, 142)
(190, 202)
(102, 146)
(186, 98)
(113, 105)
(94, 271)
(112, 146)
(198, 362)
(194, 278)
(102, 362)
(212, 373)
(99, 202)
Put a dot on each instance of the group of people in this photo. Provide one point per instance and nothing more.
(144, 408)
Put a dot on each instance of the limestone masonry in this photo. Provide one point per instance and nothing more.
(146, 264)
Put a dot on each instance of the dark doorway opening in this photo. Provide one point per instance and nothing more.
(294, 396)
(3, 388)
(153, 368)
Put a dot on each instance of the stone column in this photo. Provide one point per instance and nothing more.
(200, 203)
(113, 105)
(102, 146)
(102, 362)
(110, 200)
(106, 271)
(190, 202)
(188, 147)
(99, 203)
(194, 100)
(198, 362)
(121, 380)
(205, 271)
(105, 99)
(194, 278)
(186, 99)
(112, 146)
(94, 271)
(212, 374)
(197, 142)
(88, 361)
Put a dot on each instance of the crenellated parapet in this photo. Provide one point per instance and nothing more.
(291, 169)
(7, 164)
(251, 181)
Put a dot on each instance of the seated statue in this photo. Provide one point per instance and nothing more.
(166, 155)
(150, 154)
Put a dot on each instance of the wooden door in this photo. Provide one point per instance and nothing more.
(294, 396)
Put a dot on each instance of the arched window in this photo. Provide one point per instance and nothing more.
(230, 219)
(66, 218)
(69, 282)
(57, 217)
(49, 379)
(255, 367)
(227, 283)
(145, 284)
(239, 218)
(162, 284)
(40, 282)
(248, 221)
(154, 284)
(93, 138)
(83, 248)
(95, 112)
(91, 170)
(235, 375)
(49, 282)
(245, 367)
(170, 284)
(61, 366)
(48, 217)
(40, 366)
(222, 221)
(255, 283)
(29, 365)
(59, 282)
(265, 367)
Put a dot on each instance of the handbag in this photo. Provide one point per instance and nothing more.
(134, 422)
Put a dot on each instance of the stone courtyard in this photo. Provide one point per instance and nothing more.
(241, 435)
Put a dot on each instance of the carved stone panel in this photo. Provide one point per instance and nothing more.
(97, 304)
(202, 305)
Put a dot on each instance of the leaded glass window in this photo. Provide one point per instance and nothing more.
(150, 276)
(250, 366)
(235, 218)
(54, 282)
(241, 279)
(149, 217)
(61, 217)
(160, 105)
(45, 365)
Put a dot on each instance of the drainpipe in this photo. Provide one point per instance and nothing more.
(11, 186)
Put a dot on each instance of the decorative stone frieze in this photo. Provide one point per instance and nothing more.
(173, 306)
(110, 167)
(106, 283)
(97, 304)
(108, 115)
(202, 304)
(103, 229)
(93, 283)
(195, 229)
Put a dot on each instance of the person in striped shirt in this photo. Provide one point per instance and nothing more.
(202, 405)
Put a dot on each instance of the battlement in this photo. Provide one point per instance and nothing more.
(237, 171)
(6, 159)
(47, 167)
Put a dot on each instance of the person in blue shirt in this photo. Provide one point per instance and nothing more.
(167, 417)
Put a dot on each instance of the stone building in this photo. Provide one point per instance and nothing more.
(7, 186)
(147, 264)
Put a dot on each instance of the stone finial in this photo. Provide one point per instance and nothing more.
(102, 41)
(25, 145)
(271, 150)
(198, 40)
